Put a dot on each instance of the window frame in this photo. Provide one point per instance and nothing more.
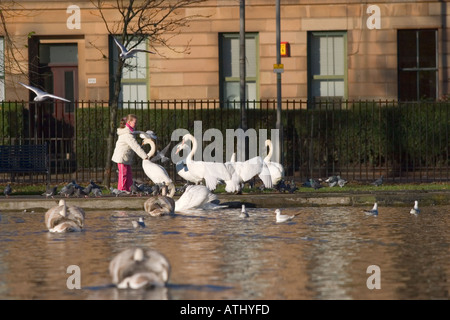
(127, 81)
(248, 79)
(417, 69)
(311, 56)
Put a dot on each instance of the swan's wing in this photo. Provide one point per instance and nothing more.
(194, 197)
(52, 216)
(265, 176)
(155, 172)
(276, 171)
(250, 168)
(279, 166)
(76, 214)
(214, 172)
(121, 46)
(54, 97)
(196, 169)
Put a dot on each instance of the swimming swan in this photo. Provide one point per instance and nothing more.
(137, 268)
(64, 218)
(197, 197)
(159, 205)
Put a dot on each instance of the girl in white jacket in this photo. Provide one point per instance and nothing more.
(126, 146)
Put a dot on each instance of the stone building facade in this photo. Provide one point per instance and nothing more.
(337, 49)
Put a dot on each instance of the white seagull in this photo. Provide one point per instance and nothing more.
(244, 213)
(125, 53)
(282, 217)
(373, 212)
(42, 95)
(416, 209)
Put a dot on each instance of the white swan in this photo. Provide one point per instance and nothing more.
(160, 205)
(276, 169)
(242, 171)
(212, 172)
(63, 218)
(197, 197)
(137, 268)
(154, 171)
(182, 168)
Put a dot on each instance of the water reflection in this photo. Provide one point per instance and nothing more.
(323, 253)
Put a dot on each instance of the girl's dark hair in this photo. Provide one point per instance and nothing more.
(124, 120)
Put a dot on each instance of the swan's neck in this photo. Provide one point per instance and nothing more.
(152, 147)
(138, 254)
(269, 155)
(63, 211)
(194, 147)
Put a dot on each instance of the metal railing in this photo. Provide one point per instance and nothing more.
(359, 140)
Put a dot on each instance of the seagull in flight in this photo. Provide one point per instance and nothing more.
(42, 95)
(125, 53)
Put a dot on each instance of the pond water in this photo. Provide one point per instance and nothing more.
(323, 253)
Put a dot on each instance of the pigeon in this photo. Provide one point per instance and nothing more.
(8, 190)
(281, 186)
(94, 185)
(282, 217)
(50, 192)
(292, 187)
(67, 190)
(81, 193)
(416, 209)
(97, 192)
(125, 53)
(373, 212)
(134, 189)
(139, 223)
(315, 184)
(378, 182)
(42, 95)
(86, 191)
(117, 192)
(244, 213)
(161, 155)
(332, 181)
(341, 182)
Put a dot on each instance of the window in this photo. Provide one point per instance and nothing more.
(2, 69)
(229, 68)
(417, 64)
(135, 73)
(327, 66)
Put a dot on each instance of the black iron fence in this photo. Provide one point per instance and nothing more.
(359, 140)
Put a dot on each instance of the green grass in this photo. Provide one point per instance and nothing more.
(38, 189)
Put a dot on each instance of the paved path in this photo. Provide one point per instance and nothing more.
(272, 200)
